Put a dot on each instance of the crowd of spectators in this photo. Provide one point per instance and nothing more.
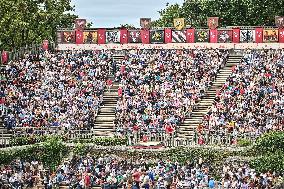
(62, 89)
(114, 172)
(159, 88)
(251, 101)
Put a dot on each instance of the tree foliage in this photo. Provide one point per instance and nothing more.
(230, 12)
(269, 151)
(24, 22)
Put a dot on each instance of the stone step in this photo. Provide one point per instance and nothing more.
(104, 118)
(108, 106)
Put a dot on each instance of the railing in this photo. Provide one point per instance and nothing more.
(68, 134)
(170, 140)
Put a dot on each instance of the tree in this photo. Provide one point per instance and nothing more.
(25, 22)
(230, 12)
(127, 26)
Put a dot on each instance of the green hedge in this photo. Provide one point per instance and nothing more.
(270, 142)
(102, 141)
(51, 152)
(268, 152)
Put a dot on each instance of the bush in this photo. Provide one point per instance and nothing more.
(244, 142)
(102, 141)
(50, 152)
(270, 142)
(269, 152)
(270, 162)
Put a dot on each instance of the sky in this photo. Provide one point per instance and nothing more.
(112, 13)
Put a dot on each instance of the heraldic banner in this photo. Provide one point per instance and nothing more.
(190, 35)
(134, 36)
(157, 36)
(201, 35)
(178, 36)
(247, 36)
(281, 35)
(270, 35)
(213, 36)
(258, 34)
(101, 36)
(225, 36)
(113, 36)
(236, 35)
(123, 36)
(79, 36)
(145, 36)
(179, 23)
(168, 35)
(90, 37)
(68, 37)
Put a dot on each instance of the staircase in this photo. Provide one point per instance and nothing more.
(104, 124)
(188, 127)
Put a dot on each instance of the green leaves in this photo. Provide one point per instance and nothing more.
(269, 152)
(232, 12)
(26, 22)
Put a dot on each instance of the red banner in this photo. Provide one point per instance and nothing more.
(45, 45)
(79, 36)
(123, 36)
(4, 57)
(101, 36)
(190, 36)
(281, 35)
(258, 35)
(214, 36)
(236, 35)
(168, 35)
(145, 36)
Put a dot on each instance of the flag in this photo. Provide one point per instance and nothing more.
(4, 57)
(101, 36)
(45, 45)
(236, 35)
(179, 23)
(145, 23)
(279, 21)
(281, 35)
(134, 36)
(179, 36)
(123, 36)
(212, 22)
(113, 36)
(201, 35)
(213, 36)
(68, 37)
(190, 35)
(79, 36)
(247, 35)
(157, 36)
(80, 24)
(145, 36)
(270, 35)
(168, 35)
(258, 35)
(225, 36)
(90, 37)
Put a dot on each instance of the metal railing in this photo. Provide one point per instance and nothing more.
(170, 140)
